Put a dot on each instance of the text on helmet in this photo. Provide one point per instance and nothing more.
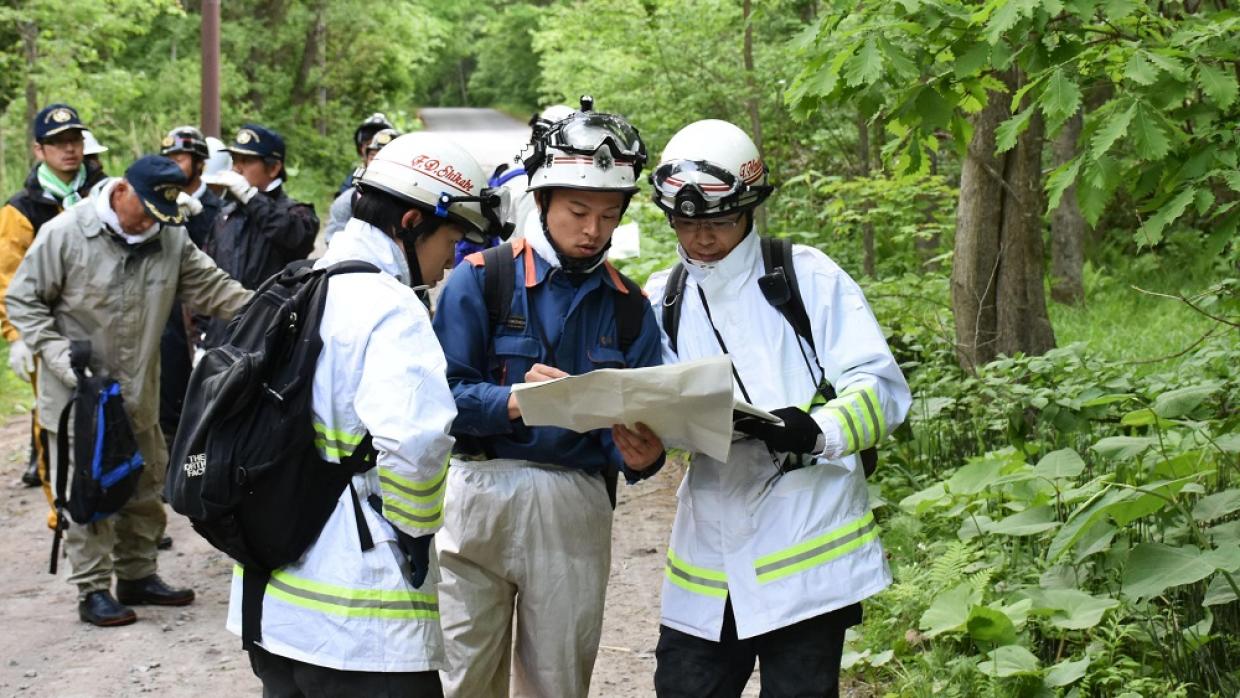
(751, 170)
(444, 173)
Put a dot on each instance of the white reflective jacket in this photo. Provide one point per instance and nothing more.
(793, 547)
(381, 371)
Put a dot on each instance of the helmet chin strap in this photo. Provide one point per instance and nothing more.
(576, 266)
(408, 238)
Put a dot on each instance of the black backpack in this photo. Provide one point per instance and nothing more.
(106, 461)
(244, 467)
(497, 291)
(779, 287)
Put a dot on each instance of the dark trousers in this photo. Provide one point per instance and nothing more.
(288, 678)
(800, 660)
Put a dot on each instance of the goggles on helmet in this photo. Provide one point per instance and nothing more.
(494, 202)
(586, 132)
(679, 181)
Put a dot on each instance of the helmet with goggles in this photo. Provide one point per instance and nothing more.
(710, 168)
(382, 138)
(185, 139)
(587, 150)
(442, 179)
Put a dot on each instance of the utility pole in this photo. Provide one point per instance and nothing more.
(210, 110)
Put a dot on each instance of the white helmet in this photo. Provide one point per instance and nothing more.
(441, 178)
(91, 145)
(218, 157)
(587, 150)
(709, 168)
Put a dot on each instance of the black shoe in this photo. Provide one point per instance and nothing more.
(152, 590)
(31, 478)
(164, 543)
(99, 608)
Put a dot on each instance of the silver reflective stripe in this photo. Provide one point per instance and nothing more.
(694, 579)
(879, 425)
(432, 515)
(397, 604)
(389, 482)
(818, 550)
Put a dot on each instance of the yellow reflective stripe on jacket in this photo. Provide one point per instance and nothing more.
(343, 601)
(412, 503)
(412, 490)
(698, 580)
(817, 551)
(334, 442)
(860, 416)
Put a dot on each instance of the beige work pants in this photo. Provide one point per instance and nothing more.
(124, 542)
(532, 540)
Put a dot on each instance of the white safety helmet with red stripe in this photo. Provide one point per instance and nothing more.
(710, 168)
(441, 178)
(587, 150)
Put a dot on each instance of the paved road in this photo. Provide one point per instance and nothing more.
(489, 135)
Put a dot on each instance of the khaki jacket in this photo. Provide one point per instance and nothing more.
(81, 281)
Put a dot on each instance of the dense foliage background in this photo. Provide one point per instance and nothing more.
(1062, 519)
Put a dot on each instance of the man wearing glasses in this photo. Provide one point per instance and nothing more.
(772, 551)
(60, 179)
(527, 522)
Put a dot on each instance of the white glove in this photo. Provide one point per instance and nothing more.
(189, 204)
(21, 360)
(237, 184)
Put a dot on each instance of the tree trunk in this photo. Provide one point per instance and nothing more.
(30, 36)
(1067, 226)
(302, 89)
(751, 102)
(997, 270)
(867, 229)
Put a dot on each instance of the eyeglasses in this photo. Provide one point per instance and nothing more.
(714, 226)
(66, 142)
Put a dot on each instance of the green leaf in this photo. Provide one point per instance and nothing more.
(950, 610)
(1058, 182)
(920, 502)
(1218, 84)
(1123, 448)
(1009, 660)
(1064, 463)
(1060, 99)
(1217, 505)
(1233, 180)
(989, 625)
(972, 60)
(1114, 128)
(1155, 567)
(1140, 70)
(1008, 131)
(866, 67)
(1066, 672)
(1029, 522)
(1149, 137)
(935, 110)
(1003, 19)
(1071, 609)
(1219, 591)
(1151, 232)
(1181, 401)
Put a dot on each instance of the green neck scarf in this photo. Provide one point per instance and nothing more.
(67, 194)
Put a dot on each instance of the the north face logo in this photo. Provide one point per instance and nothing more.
(196, 465)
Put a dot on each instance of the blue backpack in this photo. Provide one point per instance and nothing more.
(106, 460)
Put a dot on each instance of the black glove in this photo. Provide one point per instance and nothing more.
(799, 433)
(418, 552)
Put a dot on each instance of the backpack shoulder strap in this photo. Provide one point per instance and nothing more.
(673, 296)
(777, 255)
(352, 266)
(630, 309)
(501, 274)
